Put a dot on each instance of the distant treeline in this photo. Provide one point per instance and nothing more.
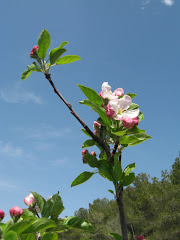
(152, 208)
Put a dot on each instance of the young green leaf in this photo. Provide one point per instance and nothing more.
(83, 177)
(85, 132)
(56, 205)
(56, 53)
(44, 41)
(29, 70)
(141, 116)
(134, 130)
(134, 139)
(88, 143)
(91, 94)
(106, 169)
(129, 168)
(11, 236)
(77, 222)
(68, 59)
(39, 200)
(63, 44)
(120, 133)
(101, 111)
(133, 106)
(127, 180)
(28, 236)
(21, 226)
(91, 160)
(132, 95)
(116, 236)
(111, 191)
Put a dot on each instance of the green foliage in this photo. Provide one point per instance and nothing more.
(29, 70)
(68, 59)
(91, 160)
(44, 41)
(88, 143)
(11, 236)
(77, 222)
(134, 139)
(116, 236)
(83, 177)
(55, 54)
(50, 236)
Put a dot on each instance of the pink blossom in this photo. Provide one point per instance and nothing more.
(93, 153)
(128, 123)
(30, 201)
(34, 51)
(110, 111)
(96, 132)
(118, 92)
(140, 237)
(136, 121)
(84, 152)
(16, 211)
(96, 125)
(1, 214)
(106, 91)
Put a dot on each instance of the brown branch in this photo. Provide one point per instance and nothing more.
(114, 150)
(103, 144)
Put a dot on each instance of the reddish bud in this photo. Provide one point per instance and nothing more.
(140, 237)
(128, 123)
(93, 153)
(30, 201)
(96, 125)
(1, 215)
(15, 212)
(34, 51)
(84, 152)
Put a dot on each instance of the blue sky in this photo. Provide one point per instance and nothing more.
(131, 44)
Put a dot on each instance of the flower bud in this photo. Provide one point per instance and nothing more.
(84, 152)
(1, 215)
(93, 153)
(30, 201)
(110, 112)
(128, 122)
(140, 237)
(96, 132)
(118, 92)
(96, 125)
(15, 212)
(136, 121)
(33, 53)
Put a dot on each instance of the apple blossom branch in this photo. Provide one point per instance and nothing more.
(96, 139)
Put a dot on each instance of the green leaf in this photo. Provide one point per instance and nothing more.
(91, 94)
(85, 132)
(63, 44)
(91, 160)
(56, 205)
(101, 111)
(134, 139)
(27, 214)
(68, 59)
(44, 41)
(59, 228)
(116, 236)
(40, 224)
(50, 236)
(120, 133)
(21, 226)
(132, 95)
(88, 143)
(39, 200)
(9, 223)
(129, 168)
(2, 227)
(111, 191)
(77, 222)
(117, 170)
(11, 236)
(28, 236)
(141, 116)
(83, 177)
(29, 70)
(133, 130)
(56, 53)
(106, 169)
(133, 106)
(127, 180)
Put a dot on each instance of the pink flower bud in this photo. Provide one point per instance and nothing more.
(96, 125)
(1, 215)
(136, 121)
(34, 51)
(140, 237)
(118, 92)
(128, 122)
(96, 132)
(93, 153)
(30, 201)
(101, 95)
(110, 112)
(15, 212)
(84, 152)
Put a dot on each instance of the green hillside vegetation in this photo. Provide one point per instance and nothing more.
(152, 208)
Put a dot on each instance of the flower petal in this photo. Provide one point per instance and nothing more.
(125, 102)
(106, 87)
(131, 113)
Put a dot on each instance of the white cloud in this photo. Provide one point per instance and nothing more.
(168, 2)
(18, 94)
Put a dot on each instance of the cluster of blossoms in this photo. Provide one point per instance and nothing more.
(84, 152)
(34, 51)
(117, 106)
(140, 237)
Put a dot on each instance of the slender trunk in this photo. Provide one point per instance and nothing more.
(122, 215)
